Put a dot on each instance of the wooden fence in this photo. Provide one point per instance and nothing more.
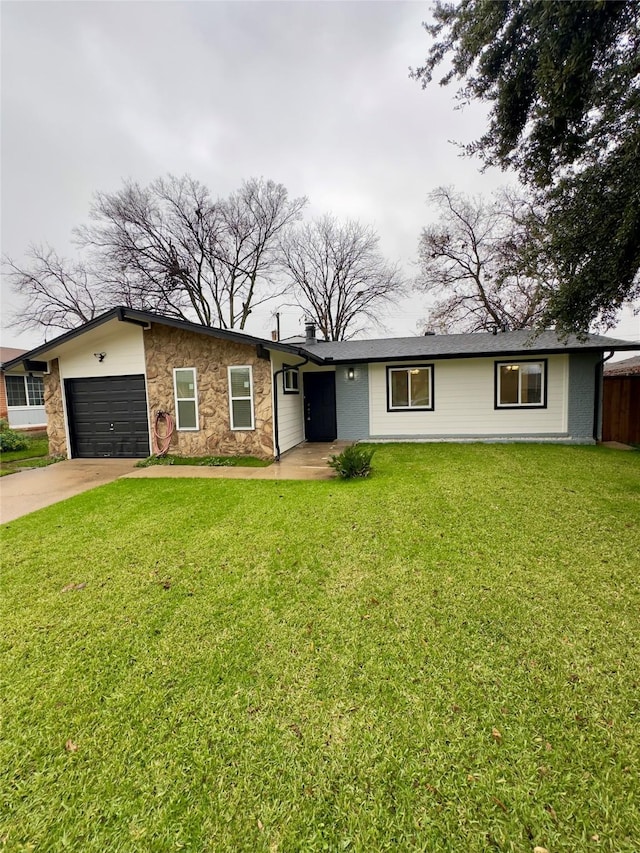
(621, 409)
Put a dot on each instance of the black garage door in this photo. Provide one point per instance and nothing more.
(108, 416)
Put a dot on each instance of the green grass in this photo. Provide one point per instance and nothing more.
(33, 456)
(37, 447)
(443, 657)
(207, 461)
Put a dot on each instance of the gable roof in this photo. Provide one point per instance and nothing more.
(628, 367)
(10, 353)
(144, 318)
(522, 343)
(477, 344)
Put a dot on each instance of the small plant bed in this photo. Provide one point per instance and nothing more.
(353, 462)
(205, 461)
(36, 448)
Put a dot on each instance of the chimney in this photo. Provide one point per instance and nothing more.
(274, 335)
(428, 332)
(310, 332)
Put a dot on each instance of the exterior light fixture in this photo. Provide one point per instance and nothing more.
(351, 373)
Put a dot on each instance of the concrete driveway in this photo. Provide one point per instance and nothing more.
(36, 488)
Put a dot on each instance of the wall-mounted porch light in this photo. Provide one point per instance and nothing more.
(351, 373)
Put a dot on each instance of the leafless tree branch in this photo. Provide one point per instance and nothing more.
(339, 276)
(481, 262)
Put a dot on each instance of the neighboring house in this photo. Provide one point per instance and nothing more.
(230, 393)
(621, 401)
(21, 392)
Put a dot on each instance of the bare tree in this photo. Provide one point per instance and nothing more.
(481, 264)
(339, 275)
(171, 243)
(57, 293)
(167, 247)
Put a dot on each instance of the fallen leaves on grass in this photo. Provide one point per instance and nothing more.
(71, 746)
(500, 804)
(73, 587)
(552, 812)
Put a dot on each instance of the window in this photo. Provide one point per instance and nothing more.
(186, 393)
(24, 390)
(290, 383)
(241, 397)
(410, 388)
(521, 384)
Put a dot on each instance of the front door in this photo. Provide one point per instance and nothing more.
(320, 406)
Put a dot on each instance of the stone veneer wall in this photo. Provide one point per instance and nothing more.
(167, 348)
(55, 410)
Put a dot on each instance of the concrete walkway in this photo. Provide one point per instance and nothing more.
(36, 488)
(306, 462)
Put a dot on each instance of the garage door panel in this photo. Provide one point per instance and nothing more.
(108, 416)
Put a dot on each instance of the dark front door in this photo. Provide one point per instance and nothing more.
(320, 406)
(107, 416)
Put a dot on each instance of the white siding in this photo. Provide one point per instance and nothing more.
(26, 416)
(122, 342)
(290, 414)
(463, 393)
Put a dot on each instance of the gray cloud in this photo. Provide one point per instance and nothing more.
(315, 95)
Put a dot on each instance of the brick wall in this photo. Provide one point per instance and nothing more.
(3, 398)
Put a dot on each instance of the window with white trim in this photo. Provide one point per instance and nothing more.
(241, 397)
(410, 388)
(186, 395)
(290, 381)
(24, 390)
(521, 384)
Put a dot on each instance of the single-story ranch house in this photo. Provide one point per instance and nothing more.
(228, 393)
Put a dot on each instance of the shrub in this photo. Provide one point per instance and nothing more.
(354, 461)
(10, 439)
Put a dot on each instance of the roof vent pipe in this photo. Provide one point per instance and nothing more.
(310, 332)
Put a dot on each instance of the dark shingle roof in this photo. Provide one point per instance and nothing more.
(460, 346)
(380, 349)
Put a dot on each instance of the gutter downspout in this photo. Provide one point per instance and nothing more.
(596, 397)
(275, 400)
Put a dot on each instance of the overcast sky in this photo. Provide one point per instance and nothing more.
(315, 95)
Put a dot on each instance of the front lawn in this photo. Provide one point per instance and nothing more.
(32, 456)
(444, 657)
(36, 447)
